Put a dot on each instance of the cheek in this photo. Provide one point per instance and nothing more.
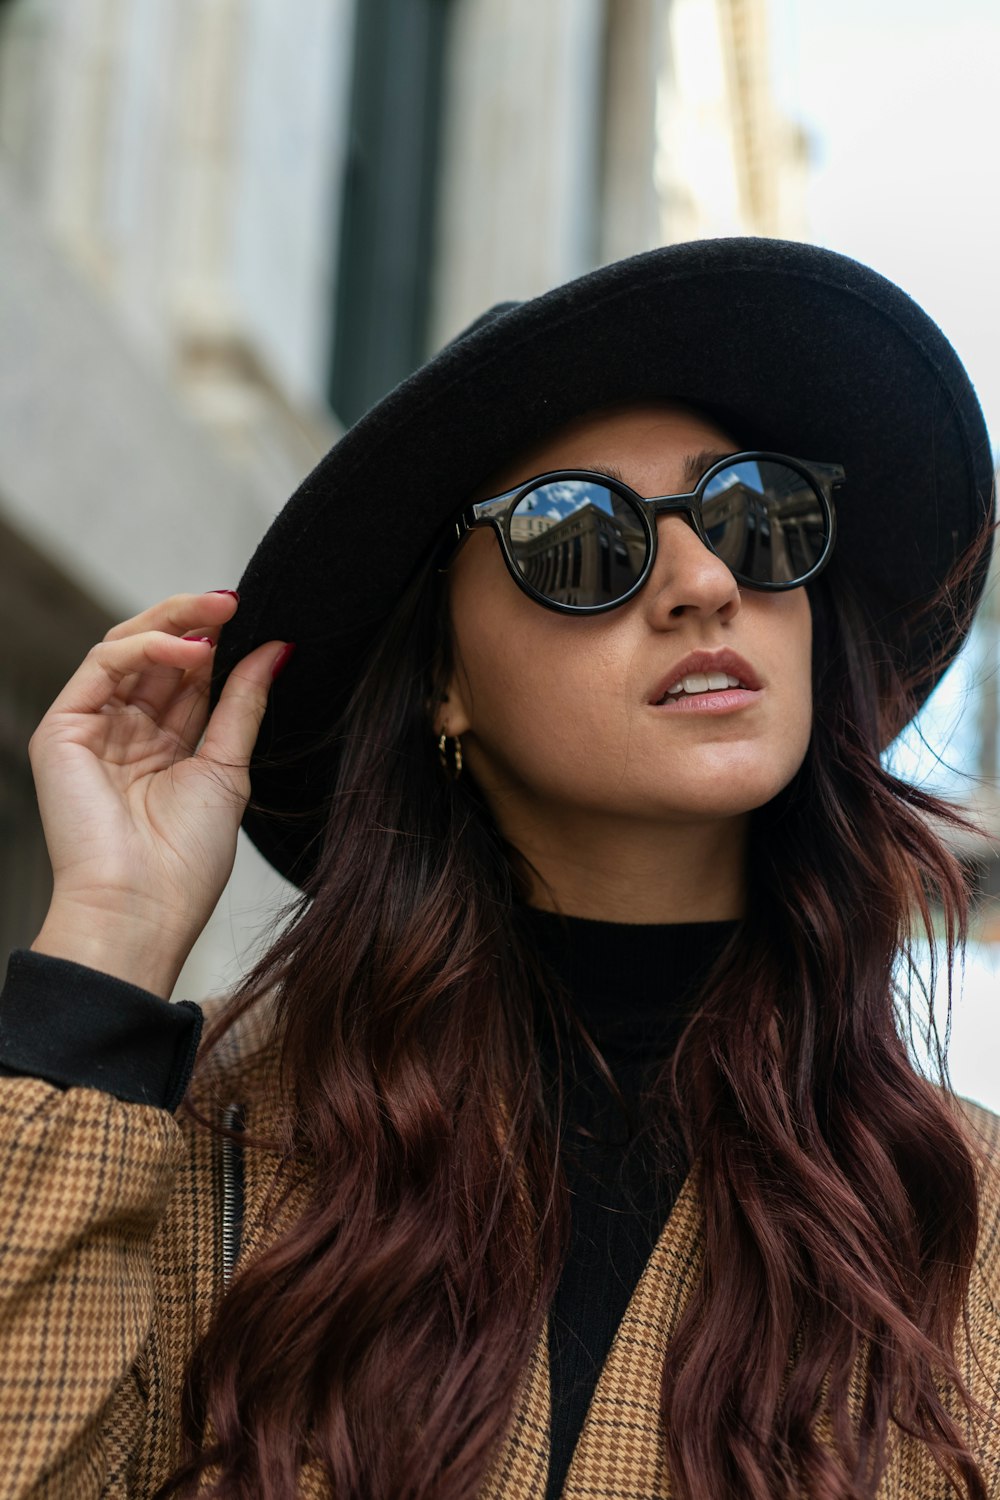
(535, 699)
(535, 685)
(794, 628)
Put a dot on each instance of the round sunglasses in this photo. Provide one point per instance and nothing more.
(581, 542)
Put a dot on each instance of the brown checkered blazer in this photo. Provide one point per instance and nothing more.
(111, 1263)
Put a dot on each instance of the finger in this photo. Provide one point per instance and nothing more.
(180, 708)
(170, 698)
(180, 614)
(232, 730)
(103, 677)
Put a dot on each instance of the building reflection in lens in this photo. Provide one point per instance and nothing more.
(765, 520)
(578, 543)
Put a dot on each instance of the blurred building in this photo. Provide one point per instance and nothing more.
(227, 226)
(968, 770)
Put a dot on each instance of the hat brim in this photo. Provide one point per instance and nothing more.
(788, 346)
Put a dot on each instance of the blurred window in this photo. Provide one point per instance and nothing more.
(384, 262)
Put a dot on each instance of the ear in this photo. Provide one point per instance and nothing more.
(451, 713)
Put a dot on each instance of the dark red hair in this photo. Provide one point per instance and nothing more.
(383, 1336)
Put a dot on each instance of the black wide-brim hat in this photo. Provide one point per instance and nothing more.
(789, 347)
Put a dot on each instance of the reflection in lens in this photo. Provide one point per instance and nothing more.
(578, 541)
(765, 520)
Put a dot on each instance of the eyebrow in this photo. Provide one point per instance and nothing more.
(694, 466)
(697, 464)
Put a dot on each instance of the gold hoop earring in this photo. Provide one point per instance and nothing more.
(453, 767)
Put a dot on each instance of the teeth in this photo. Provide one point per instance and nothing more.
(702, 682)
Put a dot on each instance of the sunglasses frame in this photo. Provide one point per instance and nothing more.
(496, 512)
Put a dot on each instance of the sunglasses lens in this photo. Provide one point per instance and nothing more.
(578, 542)
(766, 521)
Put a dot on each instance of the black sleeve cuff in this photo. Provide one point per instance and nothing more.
(77, 1027)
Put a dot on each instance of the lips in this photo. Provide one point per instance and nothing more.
(706, 672)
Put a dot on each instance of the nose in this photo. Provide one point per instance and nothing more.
(687, 579)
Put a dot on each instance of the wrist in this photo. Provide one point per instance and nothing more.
(122, 952)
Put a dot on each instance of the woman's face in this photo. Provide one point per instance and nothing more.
(563, 718)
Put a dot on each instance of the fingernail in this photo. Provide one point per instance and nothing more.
(233, 592)
(282, 659)
(205, 640)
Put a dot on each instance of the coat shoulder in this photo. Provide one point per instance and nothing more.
(238, 1063)
(982, 1129)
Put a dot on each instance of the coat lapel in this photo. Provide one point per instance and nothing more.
(620, 1453)
(521, 1467)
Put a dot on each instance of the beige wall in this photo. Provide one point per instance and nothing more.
(727, 162)
(184, 159)
(579, 132)
(111, 496)
(521, 150)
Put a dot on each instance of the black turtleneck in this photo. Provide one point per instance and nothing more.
(631, 986)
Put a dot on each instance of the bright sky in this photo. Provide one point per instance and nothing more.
(899, 98)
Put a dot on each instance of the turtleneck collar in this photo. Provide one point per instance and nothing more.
(628, 983)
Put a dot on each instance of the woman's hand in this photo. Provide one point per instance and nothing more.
(141, 791)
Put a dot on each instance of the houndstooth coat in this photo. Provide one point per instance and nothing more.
(113, 1255)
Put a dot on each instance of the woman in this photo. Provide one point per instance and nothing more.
(566, 1140)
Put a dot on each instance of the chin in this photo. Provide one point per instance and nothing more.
(730, 797)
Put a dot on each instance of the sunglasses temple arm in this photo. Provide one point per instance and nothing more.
(483, 513)
(488, 510)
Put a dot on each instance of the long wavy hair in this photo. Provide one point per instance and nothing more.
(383, 1336)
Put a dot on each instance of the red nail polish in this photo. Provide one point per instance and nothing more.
(233, 592)
(282, 659)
